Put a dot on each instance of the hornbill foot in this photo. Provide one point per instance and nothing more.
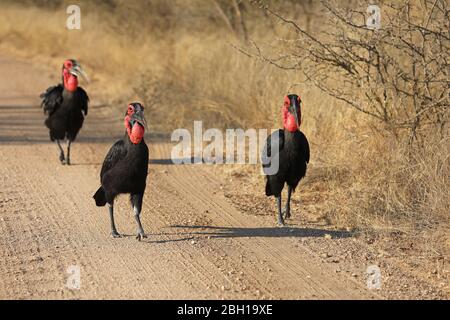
(280, 222)
(115, 234)
(68, 161)
(141, 235)
(62, 159)
(286, 213)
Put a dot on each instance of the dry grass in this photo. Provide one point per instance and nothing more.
(364, 177)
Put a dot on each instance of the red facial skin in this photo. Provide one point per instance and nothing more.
(289, 122)
(135, 133)
(70, 81)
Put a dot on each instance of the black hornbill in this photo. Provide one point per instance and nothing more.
(291, 149)
(125, 168)
(65, 104)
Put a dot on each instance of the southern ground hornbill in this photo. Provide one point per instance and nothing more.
(65, 104)
(291, 149)
(125, 168)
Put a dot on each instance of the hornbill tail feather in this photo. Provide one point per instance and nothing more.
(100, 197)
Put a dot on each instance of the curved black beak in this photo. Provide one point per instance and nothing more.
(296, 116)
(138, 116)
(78, 71)
(295, 110)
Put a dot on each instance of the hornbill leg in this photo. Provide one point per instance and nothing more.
(114, 232)
(68, 152)
(61, 152)
(287, 210)
(136, 201)
(280, 215)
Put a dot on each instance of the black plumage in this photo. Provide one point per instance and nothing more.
(124, 171)
(291, 150)
(65, 109)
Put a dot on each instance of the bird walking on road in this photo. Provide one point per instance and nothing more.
(64, 105)
(125, 168)
(286, 155)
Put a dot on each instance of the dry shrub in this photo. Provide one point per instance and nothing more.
(394, 188)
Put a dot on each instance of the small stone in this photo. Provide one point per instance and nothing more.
(257, 292)
(192, 242)
(325, 255)
(327, 236)
(354, 275)
(222, 288)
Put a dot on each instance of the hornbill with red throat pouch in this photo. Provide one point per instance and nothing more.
(65, 104)
(125, 168)
(292, 149)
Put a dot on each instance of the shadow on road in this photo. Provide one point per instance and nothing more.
(177, 161)
(24, 124)
(169, 240)
(273, 232)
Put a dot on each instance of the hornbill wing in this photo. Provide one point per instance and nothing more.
(304, 144)
(276, 142)
(52, 99)
(116, 153)
(84, 99)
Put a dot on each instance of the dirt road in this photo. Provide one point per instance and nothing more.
(199, 245)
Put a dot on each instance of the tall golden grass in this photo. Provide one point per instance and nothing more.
(180, 62)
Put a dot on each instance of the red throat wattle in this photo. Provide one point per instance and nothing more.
(135, 133)
(289, 121)
(70, 81)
